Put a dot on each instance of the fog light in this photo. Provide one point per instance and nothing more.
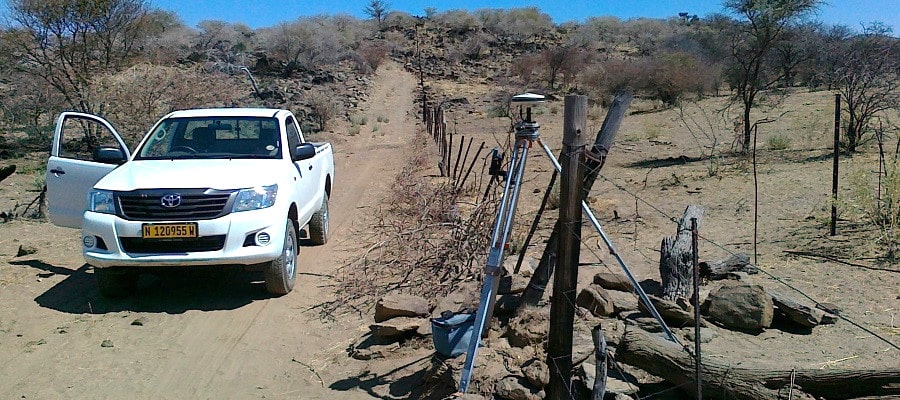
(88, 241)
(263, 238)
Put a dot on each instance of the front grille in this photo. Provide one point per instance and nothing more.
(168, 246)
(146, 205)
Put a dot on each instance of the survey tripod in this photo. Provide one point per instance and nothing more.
(526, 134)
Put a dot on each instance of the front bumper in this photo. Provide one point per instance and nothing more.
(106, 233)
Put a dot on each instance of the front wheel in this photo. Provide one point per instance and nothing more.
(115, 282)
(281, 272)
(318, 224)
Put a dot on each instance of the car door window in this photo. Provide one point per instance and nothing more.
(82, 139)
(293, 133)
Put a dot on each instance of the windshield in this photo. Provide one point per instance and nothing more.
(208, 137)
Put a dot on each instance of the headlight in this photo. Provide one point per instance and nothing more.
(101, 201)
(255, 198)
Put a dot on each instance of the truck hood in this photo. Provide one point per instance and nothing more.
(186, 174)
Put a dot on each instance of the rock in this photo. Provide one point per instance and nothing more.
(26, 250)
(371, 347)
(741, 306)
(107, 343)
(537, 372)
(828, 319)
(395, 327)
(802, 315)
(140, 321)
(463, 299)
(424, 328)
(612, 281)
(706, 334)
(400, 305)
(582, 344)
(596, 300)
(512, 284)
(648, 324)
(531, 327)
(623, 302)
(375, 352)
(614, 386)
(467, 396)
(513, 388)
(676, 315)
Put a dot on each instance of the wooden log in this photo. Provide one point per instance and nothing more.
(676, 258)
(669, 361)
(716, 270)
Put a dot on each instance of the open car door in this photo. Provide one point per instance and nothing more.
(85, 148)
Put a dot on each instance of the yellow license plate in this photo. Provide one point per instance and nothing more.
(169, 231)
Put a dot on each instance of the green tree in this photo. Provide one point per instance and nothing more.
(378, 10)
(750, 44)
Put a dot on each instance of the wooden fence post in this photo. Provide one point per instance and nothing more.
(562, 307)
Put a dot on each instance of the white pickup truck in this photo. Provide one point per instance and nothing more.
(226, 186)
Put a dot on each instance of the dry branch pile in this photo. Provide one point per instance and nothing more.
(430, 239)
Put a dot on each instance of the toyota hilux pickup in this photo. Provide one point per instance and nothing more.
(221, 187)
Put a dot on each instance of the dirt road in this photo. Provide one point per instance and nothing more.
(199, 334)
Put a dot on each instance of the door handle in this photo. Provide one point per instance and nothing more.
(57, 171)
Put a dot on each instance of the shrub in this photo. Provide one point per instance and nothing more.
(324, 106)
(359, 119)
(878, 204)
(778, 141)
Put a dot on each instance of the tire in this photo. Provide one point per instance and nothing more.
(318, 224)
(115, 282)
(281, 272)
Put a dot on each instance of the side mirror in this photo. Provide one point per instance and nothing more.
(304, 151)
(109, 155)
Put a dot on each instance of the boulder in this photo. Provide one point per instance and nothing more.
(531, 327)
(396, 327)
(464, 298)
(623, 302)
(514, 388)
(802, 315)
(612, 281)
(400, 305)
(741, 306)
(537, 372)
(596, 300)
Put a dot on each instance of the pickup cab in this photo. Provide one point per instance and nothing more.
(225, 186)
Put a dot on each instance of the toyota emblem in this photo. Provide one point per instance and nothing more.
(171, 200)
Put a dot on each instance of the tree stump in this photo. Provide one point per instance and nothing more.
(676, 258)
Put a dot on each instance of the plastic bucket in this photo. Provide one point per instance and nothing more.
(451, 333)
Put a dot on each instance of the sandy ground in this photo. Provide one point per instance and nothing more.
(209, 334)
(204, 334)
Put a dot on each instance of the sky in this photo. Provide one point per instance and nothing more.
(265, 13)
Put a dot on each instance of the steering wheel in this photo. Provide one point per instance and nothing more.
(186, 149)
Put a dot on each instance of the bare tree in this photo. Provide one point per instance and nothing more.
(68, 43)
(867, 75)
(751, 42)
(378, 10)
